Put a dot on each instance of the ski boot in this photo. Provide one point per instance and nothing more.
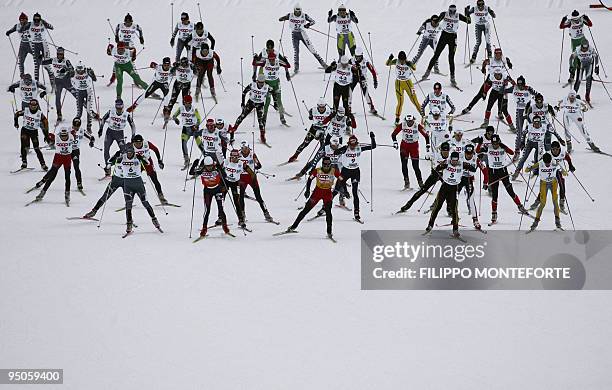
(594, 147)
(535, 204)
(197, 94)
(156, 223)
(80, 186)
(512, 127)
(477, 225)
(129, 226)
(485, 123)
(428, 229)
(522, 209)
(436, 70)
(426, 74)
(534, 225)
(569, 146)
(90, 214)
(59, 117)
(321, 212)
(41, 195)
(24, 164)
(493, 217)
(203, 231)
(268, 217)
(283, 120)
(562, 206)
(293, 158)
(341, 201)
(516, 174)
(241, 223)
(473, 60)
(225, 228)
(558, 223)
(453, 81)
(420, 183)
(455, 233)
(162, 199)
(213, 93)
(67, 198)
(185, 162)
(356, 215)
(465, 111)
(219, 221)
(406, 183)
(262, 136)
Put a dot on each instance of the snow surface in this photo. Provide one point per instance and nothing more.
(259, 312)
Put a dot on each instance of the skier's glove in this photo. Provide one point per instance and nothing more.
(161, 164)
(307, 25)
(509, 63)
(395, 145)
(42, 94)
(288, 76)
(330, 13)
(427, 149)
(176, 121)
(141, 40)
(218, 70)
(16, 124)
(372, 135)
(375, 83)
(572, 168)
(390, 57)
(91, 143)
(8, 33)
(172, 42)
(307, 193)
(100, 132)
(556, 108)
(597, 70)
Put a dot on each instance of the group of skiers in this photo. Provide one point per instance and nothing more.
(225, 165)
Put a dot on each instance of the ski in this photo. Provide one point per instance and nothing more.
(214, 226)
(315, 217)
(590, 105)
(285, 124)
(266, 144)
(422, 79)
(566, 85)
(527, 215)
(559, 229)
(32, 189)
(600, 152)
(184, 168)
(358, 220)
(284, 232)
(492, 223)
(285, 163)
(273, 221)
(296, 177)
(32, 202)
(82, 192)
(246, 229)
(21, 170)
(120, 209)
(332, 239)
(167, 204)
(440, 73)
(426, 233)
(457, 237)
(229, 234)
(82, 218)
(456, 87)
(127, 234)
(104, 178)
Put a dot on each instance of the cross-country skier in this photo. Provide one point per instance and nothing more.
(522, 94)
(261, 56)
(586, 62)
(61, 71)
(271, 67)
(344, 31)
(127, 32)
(205, 59)
(430, 30)
(234, 168)
(539, 107)
(438, 128)
(470, 163)
(317, 129)
(199, 37)
(575, 23)
(124, 63)
(298, 23)
(340, 124)
(258, 91)
(409, 147)
(63, 141)
(117, 119)
(349, 158)
(183, 30)
(143, 149)
(439, 99)
(362, 67)
(432, 179)
(537, 137)
(450, 24)
(183, 72)
(28, 89)
(451, 173)
(482, 13)
(79, 133)
(214, 187)
(213, 140)
(161, 80)
(190, 120)
(343, 73)
(24, 42)
(404, 73)
(497, 153)
(248, 156)
(38, 43)
(33, 119)
(324, 180)
(489, 66)
(573, 113)
(547, 172)
(82, 80)
(500, 84)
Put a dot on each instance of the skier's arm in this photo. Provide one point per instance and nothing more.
(283, 18)
(465, 19)
(310, 21)
(507, 149)
(492, 13)
(244, 93)
(564, 23)
(256, 161)
(12, 30)
(117, 32)
(424, 134)
(374, 75)
(572, 168)
(217, 59)
(16, 117)
(212, 41)
(102, 122)
(155, 150)
(350, 121)
(395, 132)
(353, 16)
(587, 21)
(425, 103)
(13, 87)
(130, 121)
(372, 146)
(450, 104)
(47, 25)
(331, 67)
(422, 27)
(330, 17)
(140, 34)
(340, 150)
(114, 158)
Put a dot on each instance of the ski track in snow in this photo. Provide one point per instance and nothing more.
(284, 312)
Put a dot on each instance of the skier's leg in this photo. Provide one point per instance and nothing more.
(478, 31)
(424, 43)
(295, 40)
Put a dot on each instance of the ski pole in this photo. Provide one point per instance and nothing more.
(364, 44)
(561, 59)
(107, 192)
(363, 196)
(200, 12)
(192, 208)
(569, 210)
(326, 86)
(282, 32)
(300, 193)
(161, 102)
(188, 165)
(427, 197)
(496, 35)
(155, 190)
(599, 55)
(603, 84)
(293, 89)
(326, 46)
(13, 47)
(171, 18)
(222, 82)
(581, 185)
(465, 46)
(111, 27)
(566, 130)
(526, 197)
(266, 175)
(387, 91)
(165, 135)
(322, 33)
(467, 36)
(412, 47)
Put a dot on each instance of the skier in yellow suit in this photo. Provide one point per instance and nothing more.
(547, 172)
(403, 83)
